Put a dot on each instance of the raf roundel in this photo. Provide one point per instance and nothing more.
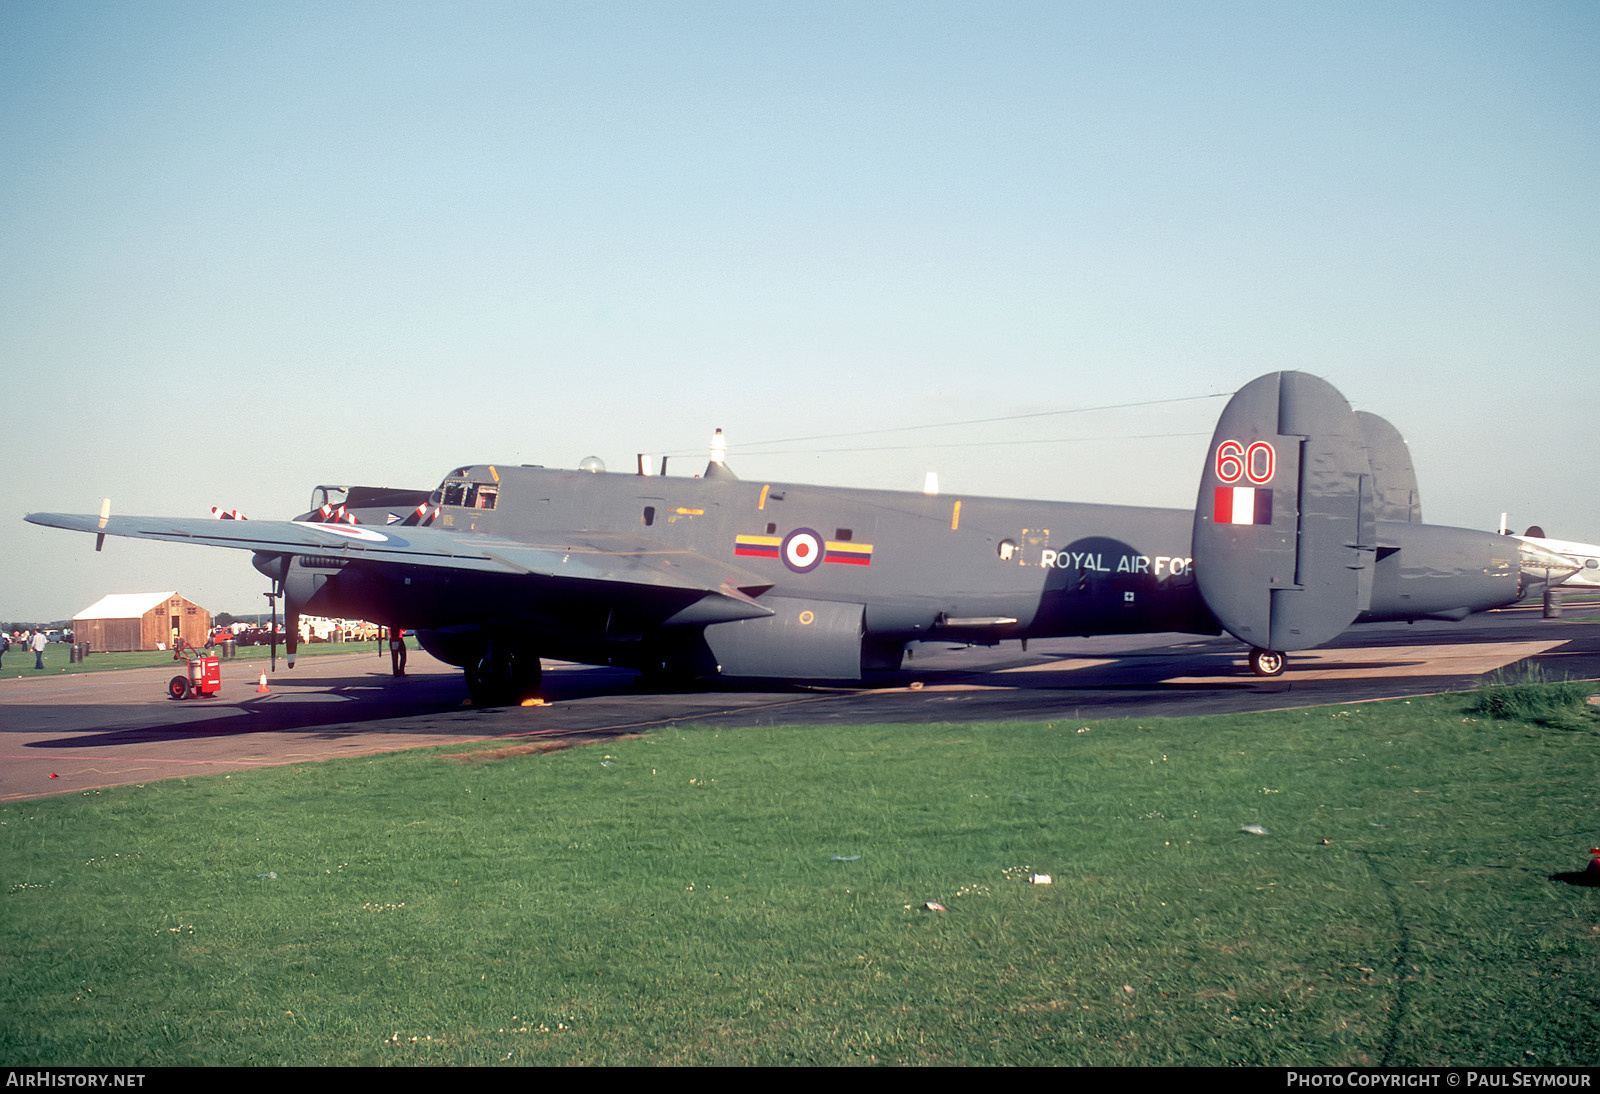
(349, 531)
(802, 550)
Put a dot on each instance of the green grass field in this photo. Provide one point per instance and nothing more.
(759, 896)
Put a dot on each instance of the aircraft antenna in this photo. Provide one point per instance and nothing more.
(990, 421)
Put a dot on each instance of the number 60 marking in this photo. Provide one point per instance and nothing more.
(1256, 463)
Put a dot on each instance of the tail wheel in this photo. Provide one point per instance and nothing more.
(1268, 662)
(178, 687)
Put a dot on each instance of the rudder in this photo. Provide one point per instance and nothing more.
(1285, 532)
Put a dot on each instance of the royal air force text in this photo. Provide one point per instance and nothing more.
(1098, 561)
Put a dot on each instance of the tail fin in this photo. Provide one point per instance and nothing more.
(1285, 526)
(1394, 479)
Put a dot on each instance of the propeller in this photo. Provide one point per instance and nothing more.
(278, 569)
(423, 515)
(291, 627)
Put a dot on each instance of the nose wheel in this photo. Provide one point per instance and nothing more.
(1267, 662)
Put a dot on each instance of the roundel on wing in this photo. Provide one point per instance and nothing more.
(802, 550)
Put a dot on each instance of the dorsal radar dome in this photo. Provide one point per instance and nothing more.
(592, 463)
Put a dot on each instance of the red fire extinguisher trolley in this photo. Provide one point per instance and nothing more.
(204, 677)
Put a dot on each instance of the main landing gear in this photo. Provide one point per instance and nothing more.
(1267, 662)
(504, 676)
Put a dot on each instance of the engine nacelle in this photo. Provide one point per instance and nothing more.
(801, 640)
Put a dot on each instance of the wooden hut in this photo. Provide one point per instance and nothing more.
(141, 621)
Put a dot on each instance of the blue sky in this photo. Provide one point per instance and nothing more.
(366, 242)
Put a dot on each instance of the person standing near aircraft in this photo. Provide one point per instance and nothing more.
(397, 650)
(38, 643)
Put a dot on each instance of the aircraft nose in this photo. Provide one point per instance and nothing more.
(1542, 566)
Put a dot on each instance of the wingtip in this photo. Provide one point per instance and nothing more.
(50, 520)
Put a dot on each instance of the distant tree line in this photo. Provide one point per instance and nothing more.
(33, 625)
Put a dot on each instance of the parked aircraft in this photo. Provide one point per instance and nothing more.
(1307, 521)
(1585, 555)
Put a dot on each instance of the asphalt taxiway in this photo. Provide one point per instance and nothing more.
(73, 733)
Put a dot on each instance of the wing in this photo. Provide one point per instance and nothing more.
(583, 557)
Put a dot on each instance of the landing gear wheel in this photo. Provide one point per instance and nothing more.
(1267, 662)
(503, 677)
(178, 687)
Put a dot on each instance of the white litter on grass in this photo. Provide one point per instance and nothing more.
(1039, 879)
(1254, 829)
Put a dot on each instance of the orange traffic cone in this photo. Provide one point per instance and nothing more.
(261, 688)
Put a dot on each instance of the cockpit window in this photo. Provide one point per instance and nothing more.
(471, 495)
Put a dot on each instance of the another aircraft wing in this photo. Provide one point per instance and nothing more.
(577, 556)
